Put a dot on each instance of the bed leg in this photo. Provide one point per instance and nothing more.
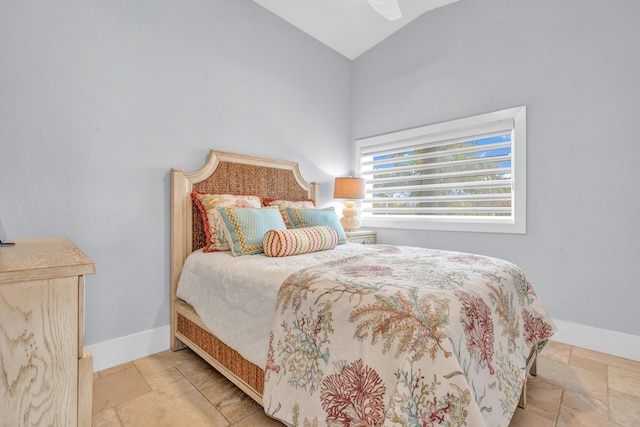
(533, 370)
(523, 397)
(176, 344)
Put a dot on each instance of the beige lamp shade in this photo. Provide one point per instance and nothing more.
(349, 188)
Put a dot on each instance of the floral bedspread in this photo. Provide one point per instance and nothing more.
(403, 337)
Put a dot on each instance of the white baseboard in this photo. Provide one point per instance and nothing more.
(602, 340)
(131, 347)
(121, 350)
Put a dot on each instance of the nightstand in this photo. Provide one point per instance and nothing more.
(365, 237)
(48, 375)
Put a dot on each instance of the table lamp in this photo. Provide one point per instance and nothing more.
(349, 188)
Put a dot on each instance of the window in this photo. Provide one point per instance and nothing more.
(462, 175)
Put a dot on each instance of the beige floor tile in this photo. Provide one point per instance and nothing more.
(624, 409)
(543, 398)
(570, 417)
(200, 373)
(232, 402)
(164, 360)
(163, 378)
(624, 380)
(523, 418)
(258, 419)
(175, 405)
(106, 418)
(574, 378)
(113, 370)
(118, 387)
(584, 404)
(590, 365)
(607, 359)
(556, 351)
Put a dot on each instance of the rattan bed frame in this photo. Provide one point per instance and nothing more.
(230, 173)
(222, 173)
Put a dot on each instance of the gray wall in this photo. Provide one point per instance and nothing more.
(99, 99)
(575, 64)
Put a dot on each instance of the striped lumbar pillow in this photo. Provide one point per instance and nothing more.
(297, 241)
(317, 217)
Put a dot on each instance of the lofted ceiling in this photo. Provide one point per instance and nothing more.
(350, 27)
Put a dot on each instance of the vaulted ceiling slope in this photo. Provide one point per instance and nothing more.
(350, 27)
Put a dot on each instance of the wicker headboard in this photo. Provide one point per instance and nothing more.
(226, 173)
(238, 178)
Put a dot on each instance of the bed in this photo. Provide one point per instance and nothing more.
(476, 367)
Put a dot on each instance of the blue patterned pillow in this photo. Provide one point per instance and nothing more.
(317, 217)
(245, 227)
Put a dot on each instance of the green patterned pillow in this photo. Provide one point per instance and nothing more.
(245, 227)
(317, 217)
(283, 204)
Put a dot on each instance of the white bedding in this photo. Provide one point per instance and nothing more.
(236, 296)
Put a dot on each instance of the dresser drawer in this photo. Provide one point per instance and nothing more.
(364, 237)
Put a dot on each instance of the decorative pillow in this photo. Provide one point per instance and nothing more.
(317, 217)
(297, 241)
(212, 223)
(283, 204)
(245, 227)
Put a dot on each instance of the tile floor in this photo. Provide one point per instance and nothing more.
(574, 387)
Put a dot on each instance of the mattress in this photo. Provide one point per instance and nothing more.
(236, 296)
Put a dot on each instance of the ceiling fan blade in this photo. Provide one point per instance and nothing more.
(387, 8)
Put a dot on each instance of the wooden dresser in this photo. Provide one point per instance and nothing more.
(47, 376)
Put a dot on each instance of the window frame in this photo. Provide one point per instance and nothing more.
(515, 223)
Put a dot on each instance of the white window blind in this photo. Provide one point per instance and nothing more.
(467, 175)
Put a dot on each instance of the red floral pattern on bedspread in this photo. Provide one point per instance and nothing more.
(354, 396)
(403, 337)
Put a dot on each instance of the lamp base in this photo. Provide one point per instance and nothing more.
(350, 220)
